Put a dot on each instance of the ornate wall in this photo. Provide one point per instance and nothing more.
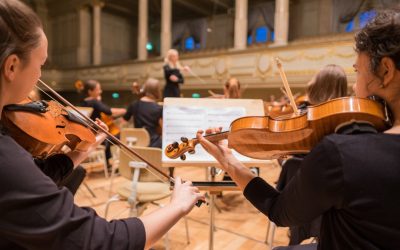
(254, 67)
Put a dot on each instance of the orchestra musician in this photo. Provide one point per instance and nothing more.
(329, 83)
(34, 212)
(172, 73)
(58, 167)
(232, 88)
(91, 89)
(351, 180)
(147, 113)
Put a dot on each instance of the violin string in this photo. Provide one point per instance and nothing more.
(85, 120)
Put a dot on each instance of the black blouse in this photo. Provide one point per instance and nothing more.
(146, 115)
(36, 214)
(98, 108)
(171, 88)
(353, 181)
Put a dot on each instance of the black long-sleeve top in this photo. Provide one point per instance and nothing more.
(171, 88)
(36, 214)
(353, 181)
(98, 108)
(146, 115)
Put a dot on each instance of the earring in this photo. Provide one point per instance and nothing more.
(381, 86)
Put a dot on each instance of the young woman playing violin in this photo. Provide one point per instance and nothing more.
(92, 98)
(147, 113)
(351, 180)
(34, 212)
(91, 89)
(232, 88)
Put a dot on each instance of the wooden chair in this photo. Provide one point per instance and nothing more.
(145, 188)
(135, 136)
(96, 161)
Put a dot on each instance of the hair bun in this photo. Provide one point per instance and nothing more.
(79, 85)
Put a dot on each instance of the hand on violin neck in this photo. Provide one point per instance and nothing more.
(219, 150)
(185, 196)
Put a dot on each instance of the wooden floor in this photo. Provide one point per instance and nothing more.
(238, 224)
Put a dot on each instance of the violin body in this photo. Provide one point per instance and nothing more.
(44, 131)
(265, 137)
(271, 138)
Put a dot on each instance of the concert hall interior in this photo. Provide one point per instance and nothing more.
(219, 124)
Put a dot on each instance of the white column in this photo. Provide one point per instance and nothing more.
(84, 36)
(42, 12)
(166, 30)
(96, 32)
(240, 40)
(281, 22)
(142, 31)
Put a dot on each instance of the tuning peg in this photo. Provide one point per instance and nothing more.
(175, 144)
(183, 157)
(170, 148)
(184, 139)
(191, 152)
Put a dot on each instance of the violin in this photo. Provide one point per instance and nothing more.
(109, 121)
(266, 138)
(44, 128)
(93, 125)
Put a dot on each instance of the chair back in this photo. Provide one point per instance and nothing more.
(96, 161)
(152, 155)
(135, 137)
(84, 110)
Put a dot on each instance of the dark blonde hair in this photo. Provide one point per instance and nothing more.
(232, 88)
(19, 30)
(151, 88)
(88, 85)
(329, 83)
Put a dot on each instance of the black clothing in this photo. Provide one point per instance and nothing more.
(98, 107)
(36, 214)
(353, 181)
(57, 167)
(146, 115)
(74, 179)
(298, 233)
(171, 88)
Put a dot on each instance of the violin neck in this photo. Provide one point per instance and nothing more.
(217, 136)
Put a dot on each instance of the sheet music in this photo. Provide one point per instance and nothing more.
(184, 121)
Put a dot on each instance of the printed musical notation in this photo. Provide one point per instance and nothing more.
(184, 121)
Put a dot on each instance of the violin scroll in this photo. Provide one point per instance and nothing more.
(175, 150)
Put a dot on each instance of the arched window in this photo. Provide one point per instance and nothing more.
(189, 43)
(366, 16)
(360, 20)
(350, 26)
(262, 34)
(249, 40)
